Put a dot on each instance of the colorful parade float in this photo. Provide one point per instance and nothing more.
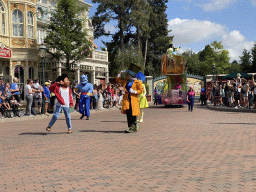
(174, 67)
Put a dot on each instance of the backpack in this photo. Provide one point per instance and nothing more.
(37, 95)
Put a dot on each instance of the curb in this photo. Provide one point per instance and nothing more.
(226, 109)
(37, 117)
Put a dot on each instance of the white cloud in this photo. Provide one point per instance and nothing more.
(189, 1)
(191, 31)
(235, 43)
(195, 34)
(215, 4)
(110, 28)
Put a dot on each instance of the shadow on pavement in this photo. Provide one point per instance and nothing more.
(235, 123)
(40, 133)
(166, 106)
(114, 121)
(96, 131)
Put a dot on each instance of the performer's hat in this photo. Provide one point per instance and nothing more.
(133, 69)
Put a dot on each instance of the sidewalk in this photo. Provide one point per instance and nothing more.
(24, 118)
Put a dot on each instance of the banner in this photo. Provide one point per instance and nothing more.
(5, 53)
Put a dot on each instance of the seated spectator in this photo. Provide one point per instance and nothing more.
(3, 102)
(2, 87)
(8, 93)
(14, 104)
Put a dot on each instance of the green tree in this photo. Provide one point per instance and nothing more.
(214, 54)
(131, 53)
(206, 53)
(235, 66)
(159, 38)
(112, 10)
(66, 39)
(151, 36)
(253, 69)
(140, 17)
(245, 61)
(193, 62)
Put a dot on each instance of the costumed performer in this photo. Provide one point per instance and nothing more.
(172, 50)
(133, 88)
(85, 89)
(63, 93)
(142, 97)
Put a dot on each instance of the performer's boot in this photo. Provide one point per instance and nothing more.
(82, 116)
(131, 129)
(137, 127)
(87, 118)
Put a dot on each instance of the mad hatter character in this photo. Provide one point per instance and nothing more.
(133, 88)
(85, 89)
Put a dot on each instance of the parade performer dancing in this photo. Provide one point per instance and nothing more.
(133, 88)
(86, 90)
(142, 97)
(64, 100)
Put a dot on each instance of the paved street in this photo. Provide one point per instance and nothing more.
(175, 150)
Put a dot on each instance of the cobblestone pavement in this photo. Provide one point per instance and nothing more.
(175, 150)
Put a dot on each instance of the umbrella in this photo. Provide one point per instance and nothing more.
(234, 75)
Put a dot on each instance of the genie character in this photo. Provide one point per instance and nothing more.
(86, 90)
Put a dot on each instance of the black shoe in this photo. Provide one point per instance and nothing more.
(87, 118)
(82, 116)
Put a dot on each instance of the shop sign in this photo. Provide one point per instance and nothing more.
(4, 52)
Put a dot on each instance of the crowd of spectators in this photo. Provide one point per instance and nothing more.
(236, 93)
(103, 96)
(39, 99)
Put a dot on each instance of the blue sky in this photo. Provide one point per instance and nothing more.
(196, 23)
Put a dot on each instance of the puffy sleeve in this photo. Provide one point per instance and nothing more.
(139, 87)
(144, 90)
(121, 81)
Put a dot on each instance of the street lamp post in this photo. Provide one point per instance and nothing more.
(42, 54)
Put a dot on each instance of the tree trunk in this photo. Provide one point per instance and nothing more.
(138, 38)
(121, 41)
(145, 55)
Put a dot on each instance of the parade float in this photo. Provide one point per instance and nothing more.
(174, 67)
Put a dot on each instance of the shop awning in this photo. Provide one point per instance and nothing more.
(4, 52)
(234, 75)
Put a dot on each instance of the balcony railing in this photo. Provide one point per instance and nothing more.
(99, 55)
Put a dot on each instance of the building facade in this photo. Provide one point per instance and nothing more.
(22, 31)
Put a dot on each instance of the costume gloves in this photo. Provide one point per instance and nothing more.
(132, 91)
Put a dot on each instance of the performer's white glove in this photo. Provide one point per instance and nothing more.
(119, 75)
(132, 91)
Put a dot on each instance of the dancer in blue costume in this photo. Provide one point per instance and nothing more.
(86, 90)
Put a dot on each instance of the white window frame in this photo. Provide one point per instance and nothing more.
(19, 25)
(30, 25)
(2, 19)
(40, 36)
